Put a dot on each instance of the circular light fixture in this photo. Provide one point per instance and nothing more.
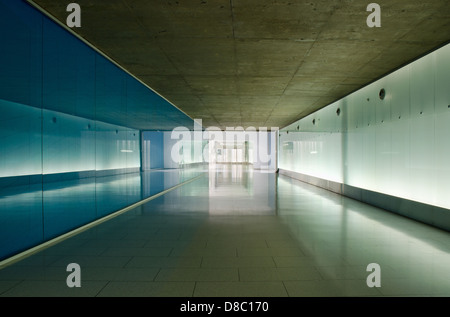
(382, 93)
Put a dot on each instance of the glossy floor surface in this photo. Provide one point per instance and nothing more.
(235, 232)
(36, 212)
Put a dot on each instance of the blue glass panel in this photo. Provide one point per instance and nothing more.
(20, 218)
(110, 91)
(20, 135)
(20, 128)
(68, 205)
(155, 150)
(69, 153)
(68, 143)
(69, 77)
(20, 53)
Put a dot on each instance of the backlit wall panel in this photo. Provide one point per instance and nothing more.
(397, 146)
(68, 154)
(20, 137)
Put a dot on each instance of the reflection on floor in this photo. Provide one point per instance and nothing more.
(31, 214)
(239, 232)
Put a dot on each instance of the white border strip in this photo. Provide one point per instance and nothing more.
(40, 247)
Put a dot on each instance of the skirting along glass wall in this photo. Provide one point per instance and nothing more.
(385, 144)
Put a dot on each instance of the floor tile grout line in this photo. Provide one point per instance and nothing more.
(156, 275)
(274, 262)
(38, 248)
(319, 272)
(18, 282)
(125, 265)
(307, 258)
(285, 288)
(104, 286)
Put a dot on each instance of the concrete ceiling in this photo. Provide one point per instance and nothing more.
(259, 63)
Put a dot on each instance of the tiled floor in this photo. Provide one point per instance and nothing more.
(238, 233)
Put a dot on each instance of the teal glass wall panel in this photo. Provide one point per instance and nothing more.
(110, 90)
(139, 96)
(109, 139)
(20, 54)
(116, 147)
(111, 193)
(20, 135)
(68, 143)
(132, 149)
(70, 153)
(21, 225)
(69, 73)
(154, 141)
(68, 205)
(396, 145)
(153, 183)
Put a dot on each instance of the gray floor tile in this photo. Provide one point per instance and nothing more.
(249, 261)
(343, 272)
(280, 251)
(198, 274)
(148, 289)
(240, 289)
(93, 261)
(248, 243)
(168, 262)
(317, 288)
(6, 285)
(195, 251)
(330, 288)
(294, 261)
(34, 273)
(414, 287)
(54, 289)
(137, 251)
(119, 274)
(278, 274)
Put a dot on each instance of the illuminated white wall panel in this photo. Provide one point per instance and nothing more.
(397, 146)
(442, 126)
